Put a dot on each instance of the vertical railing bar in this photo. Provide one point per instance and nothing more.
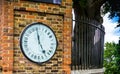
(72, 53)
(102, 48)
(80, 43)
(99, 46)
(84, 44)
(87, 45)
(75, 46)
(79, 48)
(93, 54)
(99, 49)
(102, 41)
(80, 62)
(94, 49)
(82, 47)
(91, 34)
(90, 47)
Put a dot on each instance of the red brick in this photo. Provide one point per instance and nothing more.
(30, 16)
(31, 9)
(43, 7)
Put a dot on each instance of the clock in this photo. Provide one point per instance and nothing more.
(38, 43)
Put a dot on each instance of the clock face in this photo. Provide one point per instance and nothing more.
(38, 43)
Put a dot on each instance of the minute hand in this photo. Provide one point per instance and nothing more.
(38, 36)
(39, 39)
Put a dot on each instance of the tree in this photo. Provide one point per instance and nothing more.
(91, 8)
(112, 6)
(110, 58)
(87, 8)
(117, 56)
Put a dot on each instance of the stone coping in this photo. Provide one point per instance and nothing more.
(89, 71)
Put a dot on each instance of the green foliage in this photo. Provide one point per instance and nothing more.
(117, 55)
(111, 58)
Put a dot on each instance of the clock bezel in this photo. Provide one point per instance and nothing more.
(22, 49)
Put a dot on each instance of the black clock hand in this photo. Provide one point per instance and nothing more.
(43, 51)
(38, 36)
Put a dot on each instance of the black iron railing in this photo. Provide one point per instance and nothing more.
(88, 44)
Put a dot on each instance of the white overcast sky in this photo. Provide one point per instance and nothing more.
(111, 34)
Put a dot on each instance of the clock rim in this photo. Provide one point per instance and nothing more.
(21, 37)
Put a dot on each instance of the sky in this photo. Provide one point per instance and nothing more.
(112, 34)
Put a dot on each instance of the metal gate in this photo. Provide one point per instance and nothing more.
(88, 44)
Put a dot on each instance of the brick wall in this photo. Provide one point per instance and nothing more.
(0, 33)
(6, 37)
(15, 16)
(21, 64)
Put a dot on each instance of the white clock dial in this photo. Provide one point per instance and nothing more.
(38, 43)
